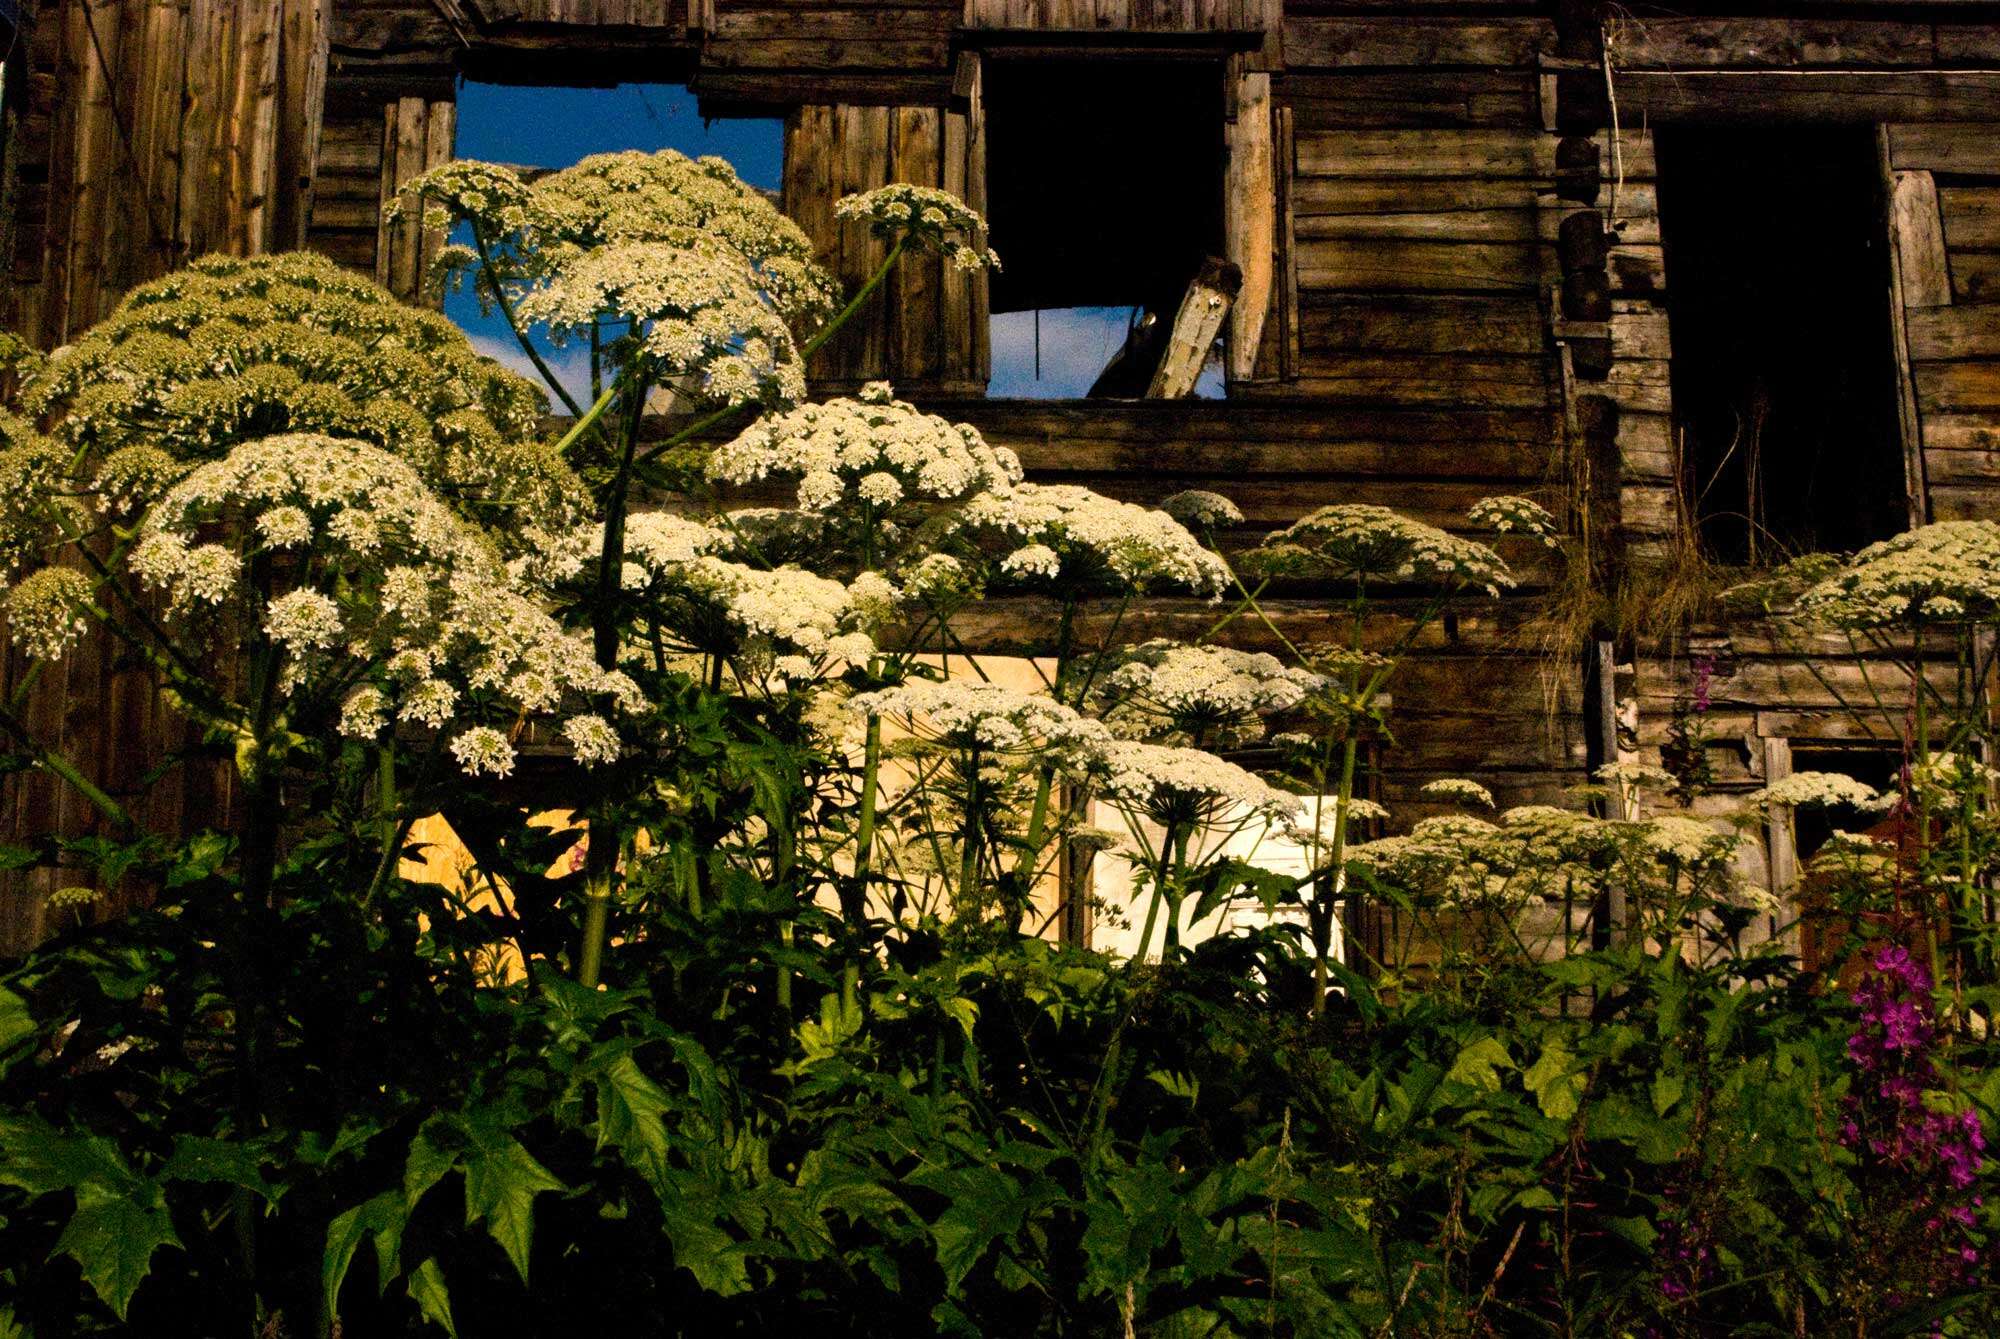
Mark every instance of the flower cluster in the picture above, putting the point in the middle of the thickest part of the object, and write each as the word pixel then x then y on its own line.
pixel 1363 542
pixel 1931 1152
pixel 1948 572
pixel 967 714
pixel 923 217
pixel 226 350
pixel 1459 791
pixel 703 315
pixel 47 611
pixel 1201 509
pixel 1508 515
pixel 874 448
pixel 1820 789
pixel 1203 694
pixel 1173 784
pixel 382 583
pixel 1094 538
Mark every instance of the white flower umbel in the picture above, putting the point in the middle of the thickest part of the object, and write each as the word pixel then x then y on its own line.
pixel 1363 542
pixel 1459 791
pixel 1509 515
pixel 926 218
pixel 592 739
pixel 1095 537
pixel 1202 509
pixel 1210 694
pixel 1688 841
pixel 47 612
pixel 968 714
pixel 704 316
pixel 836 448
pixel 483 751
pixel 1172 784
pixel 1819 789
pixel 392 588
pixel 1948 572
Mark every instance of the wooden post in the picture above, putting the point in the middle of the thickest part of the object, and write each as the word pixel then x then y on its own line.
pixel 1250 225
pixel 1781 841
pixel 1196 325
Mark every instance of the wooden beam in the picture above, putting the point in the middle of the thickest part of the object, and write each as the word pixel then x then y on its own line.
pixel 1913 223
pixel 1250 194
pixel 1195 328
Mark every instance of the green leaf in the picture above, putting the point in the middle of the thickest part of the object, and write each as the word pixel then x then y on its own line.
pixel 1183 1086
pixel 1667 1089
pixel 113 1235
pixel 217 1161
pixel 1478 1065
pixel 11 1328
pixel 1556 1081
pixel 383 1217
pixel 37 1159
pixel 501 1182
pixel 16 1023
pixel 630 1108
pixel 427 1290
pixel 427 1161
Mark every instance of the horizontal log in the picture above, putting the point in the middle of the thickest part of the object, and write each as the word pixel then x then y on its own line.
pixel 1645 432
pixel 1962 467
pixel 1238 421
pixel 1519 224
pixel 1640 384
pixel 1955 148
pixel 811 53
pixel 1968 43
pixel 1948 387
pixel 1975 276
pixel 1943 333
pixel 1961 502
pixel 1408 98
pixel 1675 43
pixel 1809 97
pixel 1422 324
pixel 1342 43
pixel 1961 432
pixel 1637 269
pixel 1374 265
pixel 1971 215
pixel 1427 379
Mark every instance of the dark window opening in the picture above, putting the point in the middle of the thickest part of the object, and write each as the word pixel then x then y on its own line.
pixel 540 128
pixel 1104 197
pixel 1783 369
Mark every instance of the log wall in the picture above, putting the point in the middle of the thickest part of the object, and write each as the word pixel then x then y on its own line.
pixel 1425 322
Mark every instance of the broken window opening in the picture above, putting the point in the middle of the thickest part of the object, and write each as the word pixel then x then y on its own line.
pixel 1104 200
pixel 1783 370
pixel 538 128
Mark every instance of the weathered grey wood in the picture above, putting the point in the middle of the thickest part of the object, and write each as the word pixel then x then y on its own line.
pixel 1917 230
pixel 1377 265
pixel 1660 42
pixel 1959 148
pixel 1417 42
pixel 1250 207
pixel 1196 326
pixel 1971 216
pixel 1975 276
pixel 1836 97
pixel 1404 323
pixel 1941 334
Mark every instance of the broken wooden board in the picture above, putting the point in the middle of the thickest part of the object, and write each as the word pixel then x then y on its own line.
pixel 1195 328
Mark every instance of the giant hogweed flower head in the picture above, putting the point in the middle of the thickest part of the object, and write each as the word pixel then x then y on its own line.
pixel 1166 690
pixel 1169 783
pixel 1093 538
pixel 49 611
pixel 874 448
pixel 1363 542
pixel 230 349
pixel 702 313
pixel 1947 572
pixel 381 582
pixel 925 218
pixel 967 714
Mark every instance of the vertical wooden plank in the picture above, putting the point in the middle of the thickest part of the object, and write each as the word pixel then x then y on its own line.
pixel 1250 224
pixel 385 233
pixel 405 263
pixel 302 67
pixel 1285 153
pixel 1917 230
pixel 808 194
pixel 1916 245
pixel 86 226
pixel 914 311
pixel 210 31
pixel 255 155
pixel 159 128
pixel 955 296
pixel 440 136
pixel 1781 840
pixel 979 318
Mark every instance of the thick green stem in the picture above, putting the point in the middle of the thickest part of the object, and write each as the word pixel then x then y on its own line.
pixel 596 925
pixel 864 826
pixel 506 307
pixel 832 328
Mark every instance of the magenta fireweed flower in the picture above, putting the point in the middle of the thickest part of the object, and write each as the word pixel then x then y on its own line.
pixel 1916 1160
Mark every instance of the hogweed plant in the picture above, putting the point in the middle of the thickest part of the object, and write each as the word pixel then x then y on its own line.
pixel 785 1041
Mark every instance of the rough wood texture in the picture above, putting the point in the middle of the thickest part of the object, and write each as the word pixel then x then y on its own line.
pixel 1917 229
pixel 1196 327
pixel 1250 223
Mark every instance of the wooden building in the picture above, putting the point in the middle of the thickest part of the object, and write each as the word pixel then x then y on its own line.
pixel 1595 252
